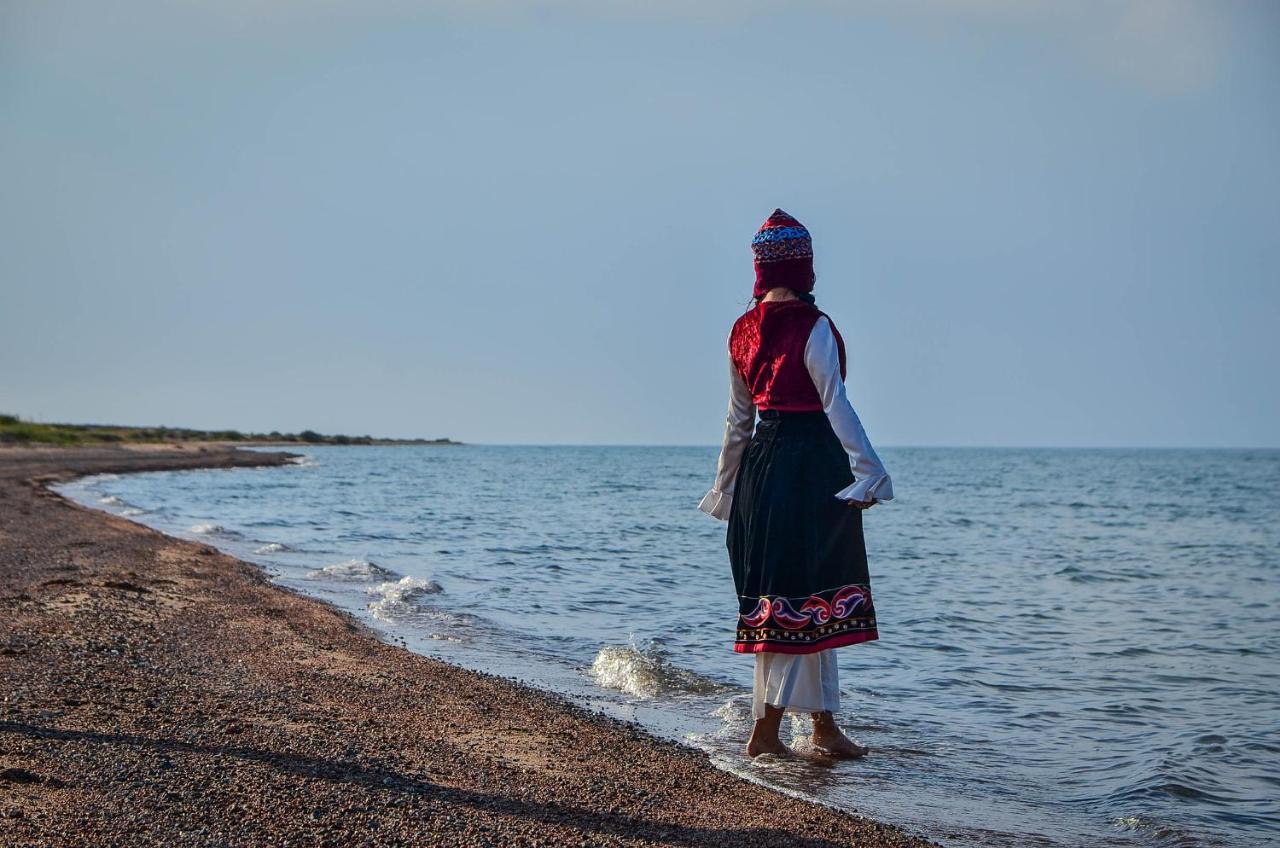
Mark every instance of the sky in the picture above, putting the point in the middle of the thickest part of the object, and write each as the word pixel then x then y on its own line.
pixel 1035 224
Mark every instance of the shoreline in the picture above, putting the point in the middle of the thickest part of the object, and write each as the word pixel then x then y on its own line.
pixel 154 690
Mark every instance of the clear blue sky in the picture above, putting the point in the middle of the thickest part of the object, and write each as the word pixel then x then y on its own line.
pixel 1035 223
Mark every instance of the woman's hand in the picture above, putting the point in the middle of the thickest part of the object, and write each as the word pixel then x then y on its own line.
pixel 861 504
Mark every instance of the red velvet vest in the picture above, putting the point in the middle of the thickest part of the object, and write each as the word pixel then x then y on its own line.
pixel 767 347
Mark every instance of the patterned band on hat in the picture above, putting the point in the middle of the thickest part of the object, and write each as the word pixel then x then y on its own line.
pixel 780 233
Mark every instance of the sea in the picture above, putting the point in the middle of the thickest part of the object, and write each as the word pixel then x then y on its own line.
pixel 1077 647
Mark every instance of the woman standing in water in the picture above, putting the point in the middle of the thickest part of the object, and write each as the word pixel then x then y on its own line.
pixel 793 493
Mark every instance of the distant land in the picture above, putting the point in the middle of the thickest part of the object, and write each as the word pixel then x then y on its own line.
pixel 14 430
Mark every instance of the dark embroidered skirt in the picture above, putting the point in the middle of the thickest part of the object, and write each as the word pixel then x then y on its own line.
pixel 797 553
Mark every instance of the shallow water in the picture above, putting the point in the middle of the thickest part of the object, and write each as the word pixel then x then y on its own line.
pixel 1078 647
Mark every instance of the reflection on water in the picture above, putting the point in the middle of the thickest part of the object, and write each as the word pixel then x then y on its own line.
pixel 1077 646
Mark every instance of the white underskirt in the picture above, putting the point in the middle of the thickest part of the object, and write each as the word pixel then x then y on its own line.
pixel 808 683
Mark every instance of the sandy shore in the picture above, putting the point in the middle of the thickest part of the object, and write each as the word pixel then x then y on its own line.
pixel 156 691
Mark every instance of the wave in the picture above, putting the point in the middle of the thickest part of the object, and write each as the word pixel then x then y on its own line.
pixel 352 569
pixel 394 598
pixel 210 529
pixel 272 548
pixel 123 507
pixel 1163 833
pixel 646 673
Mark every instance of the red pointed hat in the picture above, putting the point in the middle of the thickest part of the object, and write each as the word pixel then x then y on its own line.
pixel 784 255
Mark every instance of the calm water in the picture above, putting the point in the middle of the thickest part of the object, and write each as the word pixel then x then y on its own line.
pixel 1078 647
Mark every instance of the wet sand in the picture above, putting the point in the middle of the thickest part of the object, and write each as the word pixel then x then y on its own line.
pixel 155 691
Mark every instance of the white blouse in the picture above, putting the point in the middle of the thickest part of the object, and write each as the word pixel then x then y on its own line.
pixel 822 360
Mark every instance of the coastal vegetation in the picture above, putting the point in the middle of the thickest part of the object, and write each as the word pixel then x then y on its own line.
pixel 14 430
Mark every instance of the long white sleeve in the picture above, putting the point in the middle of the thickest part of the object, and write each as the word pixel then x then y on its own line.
pixel 822 359
pixel 738 425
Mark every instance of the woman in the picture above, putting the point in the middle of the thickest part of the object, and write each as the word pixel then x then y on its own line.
pixel 793 494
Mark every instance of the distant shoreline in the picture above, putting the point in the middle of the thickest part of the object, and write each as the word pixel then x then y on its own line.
pixel 14 430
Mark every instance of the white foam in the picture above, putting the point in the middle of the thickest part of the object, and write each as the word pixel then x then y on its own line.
pixel 801 726
pixel 111 500
pixel 646 672
pixel 132 510
pixel 211 529
pixel 352 569
pixel 272 548
pixel 736 710
pixel 394 598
